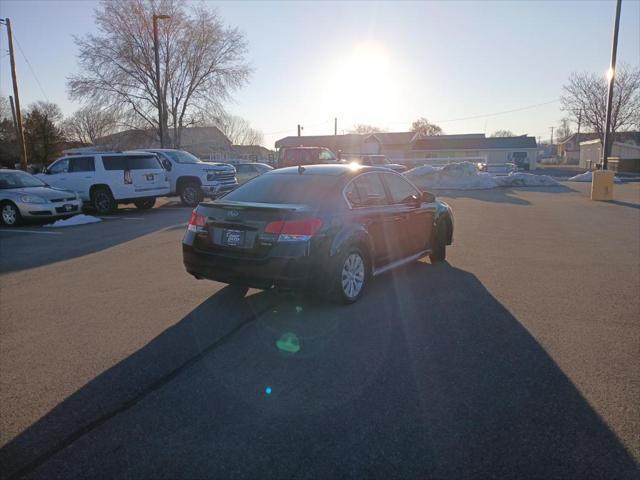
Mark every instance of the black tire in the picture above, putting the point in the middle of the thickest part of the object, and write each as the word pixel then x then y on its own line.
pixel 348 288
pixel 439 244
pixel 145 203
pixel 191 194
pixel 9 214
pixel 103 201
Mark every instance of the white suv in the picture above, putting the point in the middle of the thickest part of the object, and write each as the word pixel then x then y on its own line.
pixel 105 179
pixel 194 179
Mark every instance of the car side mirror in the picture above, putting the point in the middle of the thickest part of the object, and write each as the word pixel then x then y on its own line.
pixel 167 165
pixel 427 197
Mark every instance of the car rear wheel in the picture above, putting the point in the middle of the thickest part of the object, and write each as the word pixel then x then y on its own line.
pixel 145 204
pixel 9 214
pixel 351 275
pixel 103 201
pixel 439 248
pixel 191 194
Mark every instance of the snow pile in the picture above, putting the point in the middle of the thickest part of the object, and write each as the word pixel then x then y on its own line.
pixel 588 176
pixel 77 220
pixel 465 176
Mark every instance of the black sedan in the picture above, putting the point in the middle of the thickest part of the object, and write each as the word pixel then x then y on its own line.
pixel 322 227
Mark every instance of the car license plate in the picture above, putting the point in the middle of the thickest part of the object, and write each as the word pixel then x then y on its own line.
pixel 233 238
pixel 150 177
pixel 67 207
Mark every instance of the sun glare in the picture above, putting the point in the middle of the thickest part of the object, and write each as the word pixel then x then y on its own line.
pixel 361 85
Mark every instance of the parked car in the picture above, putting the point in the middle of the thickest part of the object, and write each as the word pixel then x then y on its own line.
pixel 373 161
pixel 192 179
pixel 247 171
pixel 105 179
pixel 293 156
pixel 24 196
pixel 323 227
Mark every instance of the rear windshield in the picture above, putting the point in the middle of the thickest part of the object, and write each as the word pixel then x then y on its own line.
pixel 279 188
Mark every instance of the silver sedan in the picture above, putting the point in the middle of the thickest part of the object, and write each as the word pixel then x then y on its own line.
pixel 24 196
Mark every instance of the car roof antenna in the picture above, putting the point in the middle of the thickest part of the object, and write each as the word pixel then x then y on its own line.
pixel 301 169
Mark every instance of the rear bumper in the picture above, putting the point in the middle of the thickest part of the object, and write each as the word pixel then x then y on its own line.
pixel 287 272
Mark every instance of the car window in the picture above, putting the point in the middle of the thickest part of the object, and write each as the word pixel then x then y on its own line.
pixel 181 156
pixel 370 191
pixel 19 180
pixel 146 162
pixel 61 166
pixel 81 164
pixel 401 191
pixel 243 168
pixel 326 155
pixel 114 162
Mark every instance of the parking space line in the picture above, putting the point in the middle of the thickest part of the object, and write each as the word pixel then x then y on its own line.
pixel 30 231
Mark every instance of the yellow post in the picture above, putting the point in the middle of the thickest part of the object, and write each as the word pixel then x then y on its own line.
pixel 602 185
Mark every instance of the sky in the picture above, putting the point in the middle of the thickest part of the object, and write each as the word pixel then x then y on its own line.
pixel 460 64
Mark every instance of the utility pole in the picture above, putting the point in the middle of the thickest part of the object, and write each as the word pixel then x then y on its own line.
pixel 606 150
pixel 578 134
pixel 18 113
pixel 335 126
pixel 13 114
pixel 158 89
pixel 551 135
pixel 299 129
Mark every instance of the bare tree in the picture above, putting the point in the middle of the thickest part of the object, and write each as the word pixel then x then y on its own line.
pixel 424 128
pixel 363 129
pixel 564 130
pixel 503 133
pixel 238 130
pixel 89 123
pixel 587 93
pixel 202 62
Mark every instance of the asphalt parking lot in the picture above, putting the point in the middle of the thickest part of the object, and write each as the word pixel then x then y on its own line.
pixel 516 358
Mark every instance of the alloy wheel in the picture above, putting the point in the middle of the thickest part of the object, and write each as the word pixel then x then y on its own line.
pixel 9 214
pixel 353 275
pixel 190 196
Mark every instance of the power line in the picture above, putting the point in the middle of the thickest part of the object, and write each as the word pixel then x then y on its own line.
pixel 473 117
pixel 31 68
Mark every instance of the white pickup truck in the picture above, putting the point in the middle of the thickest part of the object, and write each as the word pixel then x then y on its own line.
pixel 193 179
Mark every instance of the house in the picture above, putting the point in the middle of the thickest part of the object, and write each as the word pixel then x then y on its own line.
pixel 569 148
pixel 394 145
pixel 625 153
pixel 477 147
pixel 203 142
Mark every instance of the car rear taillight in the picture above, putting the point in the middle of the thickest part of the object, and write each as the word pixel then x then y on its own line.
pixel 294 230
pixel 197 222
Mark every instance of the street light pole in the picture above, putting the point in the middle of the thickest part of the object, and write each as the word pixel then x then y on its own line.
pixel 158 89
pixel 606 148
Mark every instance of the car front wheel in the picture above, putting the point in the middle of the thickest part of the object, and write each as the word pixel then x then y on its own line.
pixel 9 214
pixel 439 244
pixel 351 275
pixel 191 194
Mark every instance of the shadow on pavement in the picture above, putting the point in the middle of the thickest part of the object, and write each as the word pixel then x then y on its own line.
pixel 625 204
pixel 20 250
pixel 428 376
pixel 501 194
